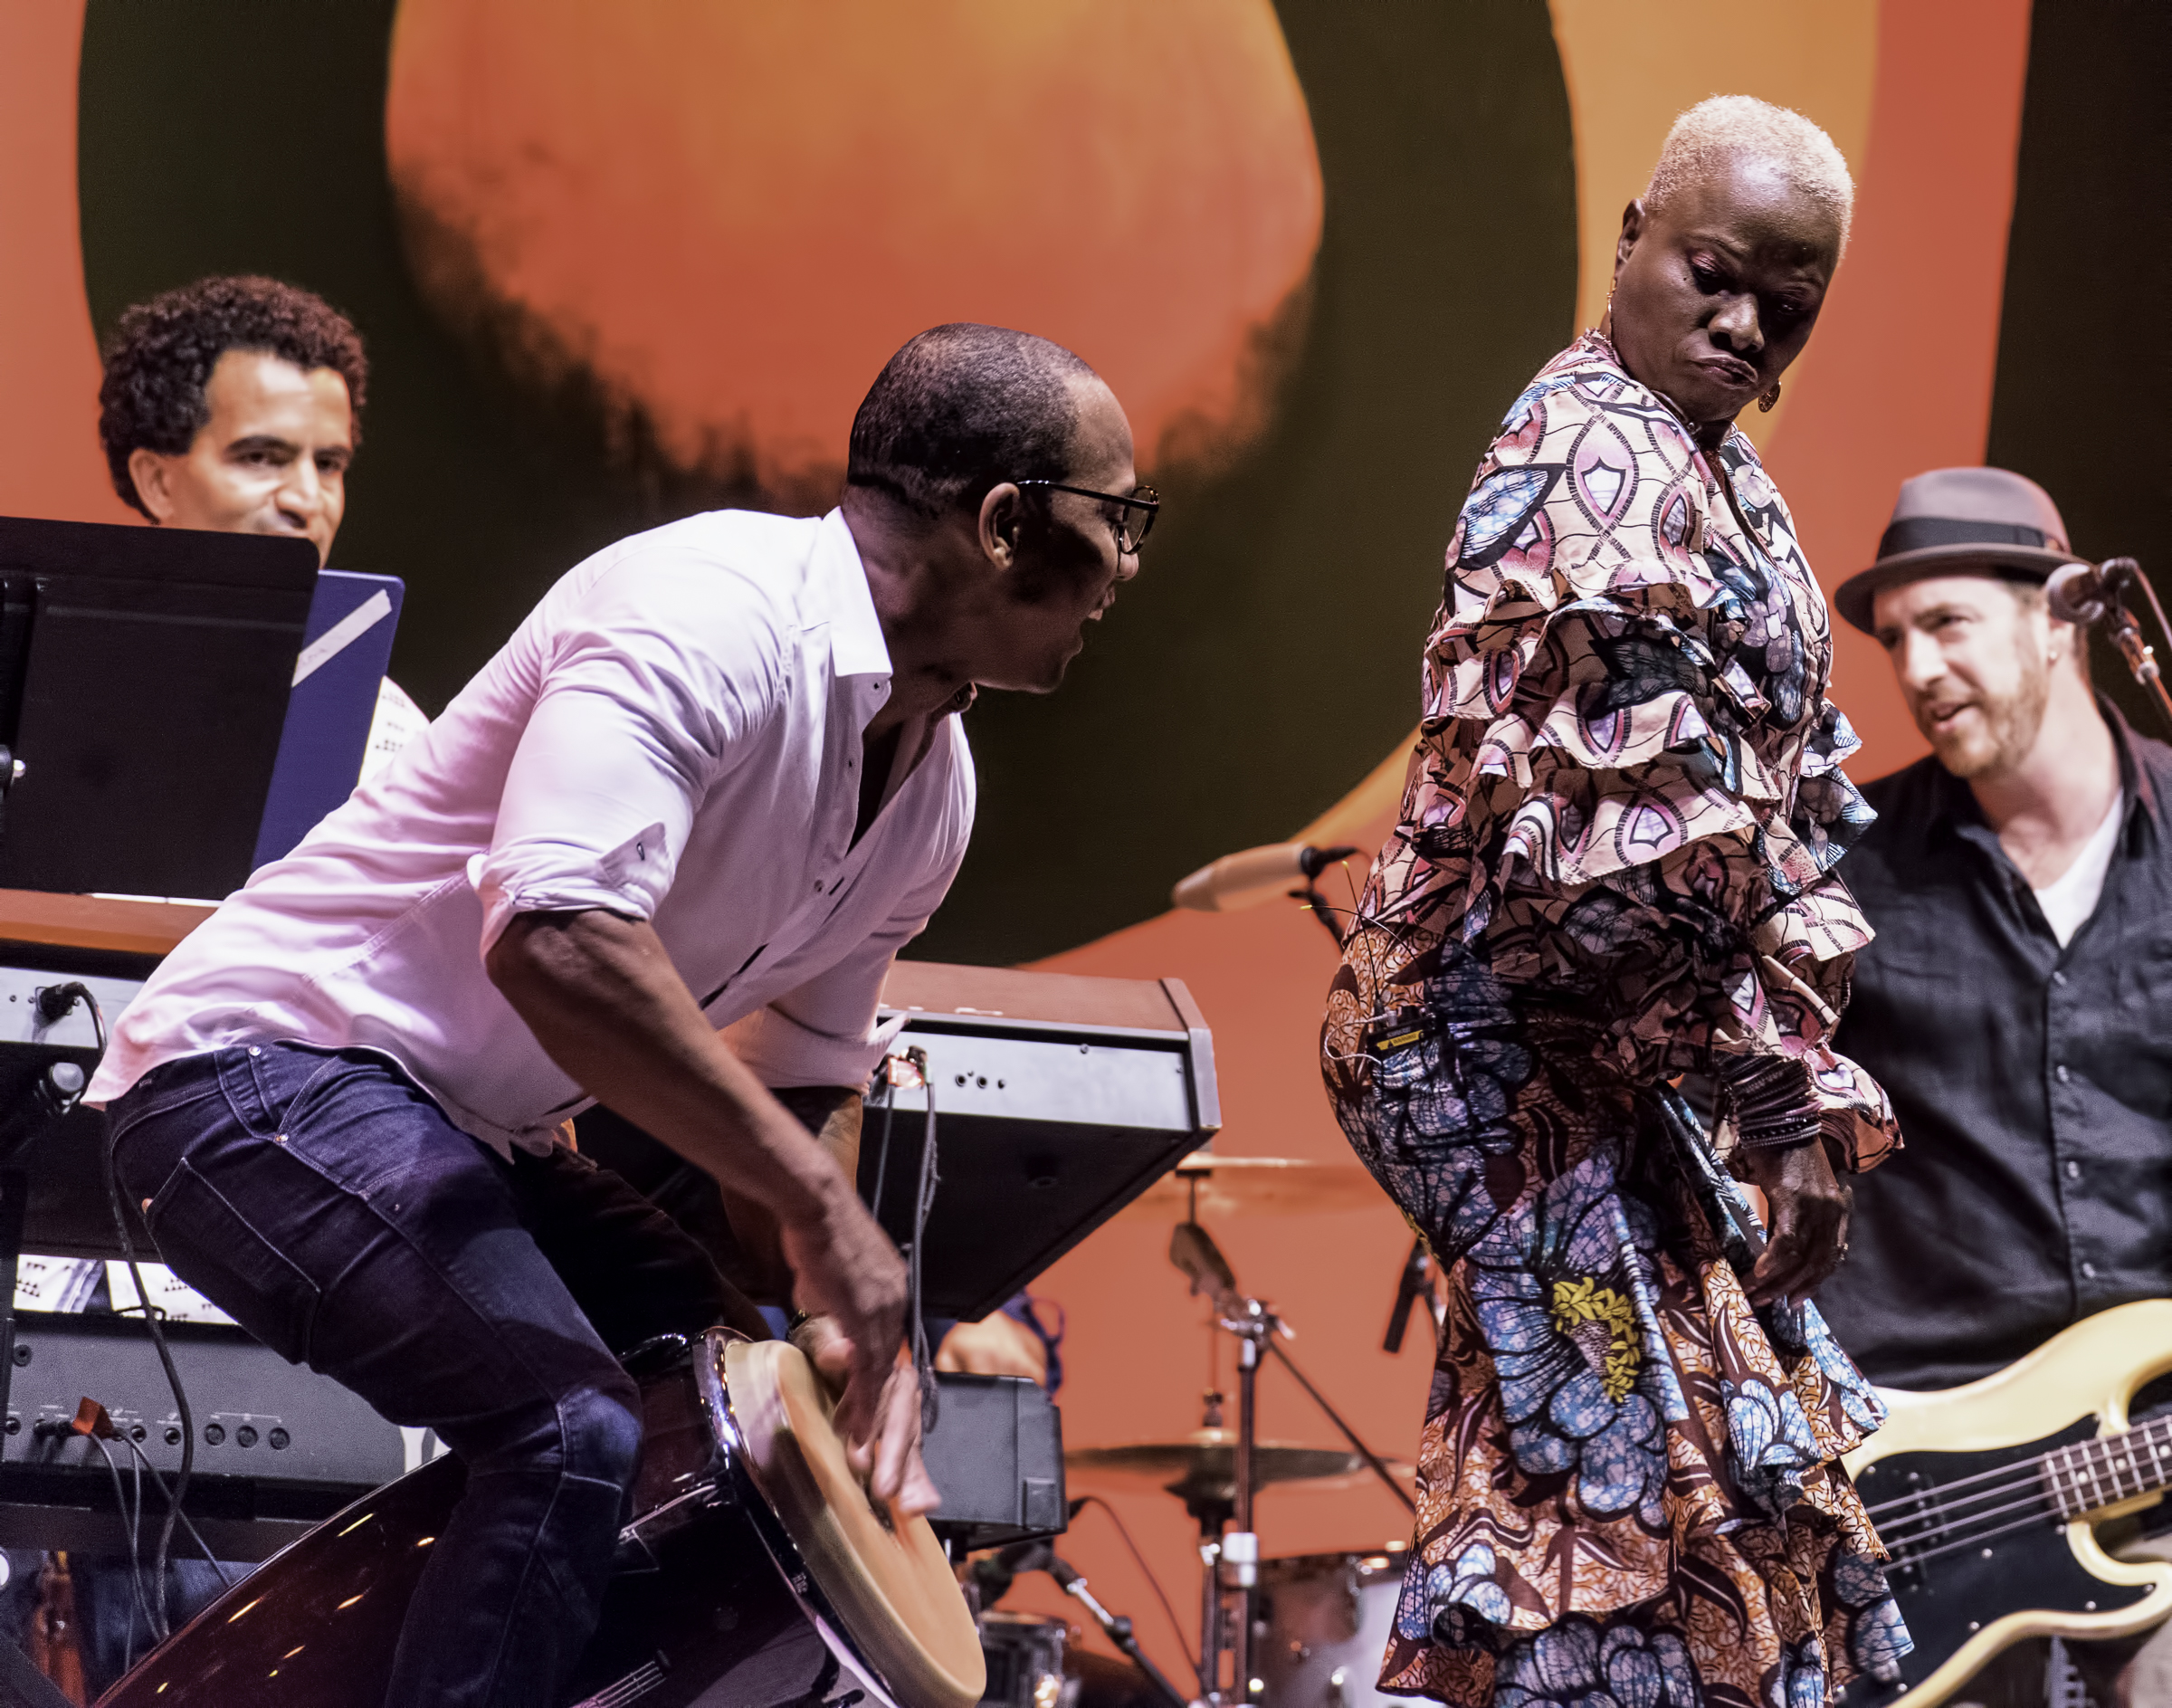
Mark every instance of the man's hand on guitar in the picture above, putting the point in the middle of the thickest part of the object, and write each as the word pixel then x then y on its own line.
pixel 1808 1234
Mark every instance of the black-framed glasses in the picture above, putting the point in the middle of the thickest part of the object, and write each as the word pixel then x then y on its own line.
pixel 1141 507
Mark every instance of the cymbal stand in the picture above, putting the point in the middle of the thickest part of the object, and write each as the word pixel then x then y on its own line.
pixel 1237 1560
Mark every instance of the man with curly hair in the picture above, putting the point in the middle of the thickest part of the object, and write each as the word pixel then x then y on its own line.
pixel 236 405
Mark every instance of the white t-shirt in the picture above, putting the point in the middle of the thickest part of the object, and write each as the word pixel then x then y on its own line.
pixel 2072 897
pixel 674 735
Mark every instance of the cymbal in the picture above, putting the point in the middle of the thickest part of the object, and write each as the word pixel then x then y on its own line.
pixel 1204 1463
pixel 1255 1186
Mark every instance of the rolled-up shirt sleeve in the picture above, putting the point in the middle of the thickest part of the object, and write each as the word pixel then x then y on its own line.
pixel 670 665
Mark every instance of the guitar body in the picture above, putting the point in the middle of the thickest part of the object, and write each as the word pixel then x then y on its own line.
pixel 1983 1557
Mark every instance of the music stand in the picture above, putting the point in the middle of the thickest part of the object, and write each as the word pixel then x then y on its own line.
pixel 144 674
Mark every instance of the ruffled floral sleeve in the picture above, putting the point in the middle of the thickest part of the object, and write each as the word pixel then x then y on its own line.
pixel 1629 788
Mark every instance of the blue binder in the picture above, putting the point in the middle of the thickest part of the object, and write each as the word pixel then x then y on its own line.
pixel 346 647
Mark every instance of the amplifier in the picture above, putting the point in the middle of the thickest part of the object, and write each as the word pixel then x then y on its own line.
pixel 996 1456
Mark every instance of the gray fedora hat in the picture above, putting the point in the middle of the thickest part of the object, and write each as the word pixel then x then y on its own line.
pixel 1961 521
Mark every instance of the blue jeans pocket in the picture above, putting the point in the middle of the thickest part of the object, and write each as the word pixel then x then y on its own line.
pixel 212 1246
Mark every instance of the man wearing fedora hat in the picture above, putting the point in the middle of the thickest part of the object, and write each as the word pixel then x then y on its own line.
pixel 2015 1003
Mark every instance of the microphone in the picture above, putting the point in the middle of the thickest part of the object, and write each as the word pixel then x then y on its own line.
pixel 2080 592
pixel 1254 875
pixel 1417 1276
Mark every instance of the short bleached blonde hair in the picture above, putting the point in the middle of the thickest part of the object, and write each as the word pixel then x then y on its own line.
pixel 1724 127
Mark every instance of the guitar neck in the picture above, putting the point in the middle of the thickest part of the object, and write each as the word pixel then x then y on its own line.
pixel 2090 1475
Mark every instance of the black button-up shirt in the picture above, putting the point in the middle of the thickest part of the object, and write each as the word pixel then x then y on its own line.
pixel 2034 1084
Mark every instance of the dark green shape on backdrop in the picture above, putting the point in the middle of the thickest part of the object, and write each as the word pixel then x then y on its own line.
pixel 1264 660
pixel 2085 351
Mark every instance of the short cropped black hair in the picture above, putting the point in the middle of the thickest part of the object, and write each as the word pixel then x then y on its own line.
pixel 960 409
pixel 161 356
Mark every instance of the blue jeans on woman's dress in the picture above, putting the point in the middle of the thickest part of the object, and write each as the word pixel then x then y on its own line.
pixel 324 1201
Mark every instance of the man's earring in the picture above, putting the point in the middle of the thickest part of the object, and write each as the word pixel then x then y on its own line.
pixel 1771 399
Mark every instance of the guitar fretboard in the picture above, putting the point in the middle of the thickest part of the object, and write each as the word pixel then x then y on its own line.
pixel 2091 1475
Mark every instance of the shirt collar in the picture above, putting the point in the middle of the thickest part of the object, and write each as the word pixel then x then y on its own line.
pixel 2142 797
pixel 1957 801
pixel 856 644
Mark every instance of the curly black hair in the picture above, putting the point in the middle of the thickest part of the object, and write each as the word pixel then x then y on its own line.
pixel 961 408
pixel 161 356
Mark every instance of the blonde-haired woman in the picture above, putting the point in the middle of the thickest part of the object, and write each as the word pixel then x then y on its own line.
pixel 1614 865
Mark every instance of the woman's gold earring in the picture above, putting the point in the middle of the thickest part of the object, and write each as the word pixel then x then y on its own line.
pixel 1769 400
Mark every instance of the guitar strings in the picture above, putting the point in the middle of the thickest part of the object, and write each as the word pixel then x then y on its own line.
pixel 1935 1529
pixel 1966 1541
pixel 2017 1476
pixel 1928 1516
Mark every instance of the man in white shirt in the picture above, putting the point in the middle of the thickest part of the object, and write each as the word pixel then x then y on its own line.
pixel 234 405
pixel 711 786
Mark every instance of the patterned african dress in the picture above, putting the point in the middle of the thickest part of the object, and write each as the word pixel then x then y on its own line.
pixel 1614 865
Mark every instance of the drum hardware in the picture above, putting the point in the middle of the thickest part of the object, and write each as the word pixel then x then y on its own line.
pixel 993 1576
pixel 1202 1466
pixel 1325 1622
pixel 1229 1557
pixel 1024 1659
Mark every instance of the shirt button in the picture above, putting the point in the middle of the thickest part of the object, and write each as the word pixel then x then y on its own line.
pixel 2061 1073
pixel 2059 979
pixel 2089 1272
pixel 2074 1170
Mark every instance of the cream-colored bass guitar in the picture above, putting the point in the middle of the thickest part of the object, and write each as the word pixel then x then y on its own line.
pixel 1989 1497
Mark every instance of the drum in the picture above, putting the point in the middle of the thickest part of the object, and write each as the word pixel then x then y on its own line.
pixel 755 1573
pixel 1326 1619
pixel 1024 1657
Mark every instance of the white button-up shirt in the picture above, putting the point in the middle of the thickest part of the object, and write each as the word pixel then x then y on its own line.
pixel 673 735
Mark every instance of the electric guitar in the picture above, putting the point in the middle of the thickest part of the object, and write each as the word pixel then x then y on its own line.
pixel 1989 1495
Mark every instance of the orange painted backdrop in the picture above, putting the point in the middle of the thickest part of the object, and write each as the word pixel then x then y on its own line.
pixel 1924 96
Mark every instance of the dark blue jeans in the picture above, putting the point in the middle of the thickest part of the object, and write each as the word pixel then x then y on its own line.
pixel 324 1201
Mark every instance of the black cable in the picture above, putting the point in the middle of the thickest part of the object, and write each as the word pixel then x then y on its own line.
pixel 188 1523
pixel 72 992
pixel 923 1362
pixel 1184 1645
pixel 131 1524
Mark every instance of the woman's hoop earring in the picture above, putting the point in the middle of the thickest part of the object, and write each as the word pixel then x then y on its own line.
pixel 1767 403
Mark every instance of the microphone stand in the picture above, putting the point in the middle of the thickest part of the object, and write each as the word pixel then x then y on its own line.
pixel 994 1577
pixel 2126 634
pixel 1117 1629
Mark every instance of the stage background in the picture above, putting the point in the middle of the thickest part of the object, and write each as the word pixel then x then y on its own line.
pixel 618 264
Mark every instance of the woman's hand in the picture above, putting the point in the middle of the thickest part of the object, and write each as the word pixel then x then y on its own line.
pixel 1807 1236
